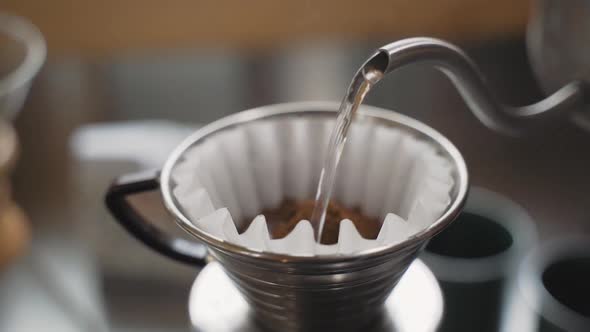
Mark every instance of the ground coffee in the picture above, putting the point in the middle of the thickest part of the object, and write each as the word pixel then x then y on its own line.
pixel 282 219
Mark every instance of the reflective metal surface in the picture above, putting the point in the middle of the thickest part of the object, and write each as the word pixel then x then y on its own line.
pixel 468 80
pixel 290 293
pixel 415 305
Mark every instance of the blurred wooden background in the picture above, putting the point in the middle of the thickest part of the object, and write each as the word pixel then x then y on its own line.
pixel 112 27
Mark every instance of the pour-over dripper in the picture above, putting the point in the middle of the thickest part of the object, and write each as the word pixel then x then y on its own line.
pixel 401 182
pixel 286 292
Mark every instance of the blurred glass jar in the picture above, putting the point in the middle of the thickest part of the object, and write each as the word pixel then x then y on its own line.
pixel 22 53
pixel 558 48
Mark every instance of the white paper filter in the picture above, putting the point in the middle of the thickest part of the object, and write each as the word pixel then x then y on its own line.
pixel 385 171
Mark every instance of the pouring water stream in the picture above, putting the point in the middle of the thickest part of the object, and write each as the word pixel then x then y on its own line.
pixel 366 77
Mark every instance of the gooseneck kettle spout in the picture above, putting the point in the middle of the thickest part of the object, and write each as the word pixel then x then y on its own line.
pixel 470 83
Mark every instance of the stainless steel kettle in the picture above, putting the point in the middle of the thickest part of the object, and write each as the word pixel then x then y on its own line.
pixel 558 41
pixel 560 56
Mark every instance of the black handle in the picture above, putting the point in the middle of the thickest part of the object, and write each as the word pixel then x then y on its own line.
pixel 116 200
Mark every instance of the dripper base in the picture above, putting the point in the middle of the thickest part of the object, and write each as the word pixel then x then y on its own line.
pixel 415 304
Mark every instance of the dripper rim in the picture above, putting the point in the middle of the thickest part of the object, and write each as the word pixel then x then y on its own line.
pixel 459 192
